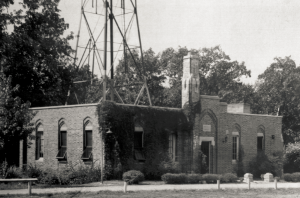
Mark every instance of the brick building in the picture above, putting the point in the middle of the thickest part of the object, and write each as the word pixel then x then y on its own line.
pixel 227 134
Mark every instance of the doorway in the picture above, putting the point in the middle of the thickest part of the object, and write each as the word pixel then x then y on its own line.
pixel 205 157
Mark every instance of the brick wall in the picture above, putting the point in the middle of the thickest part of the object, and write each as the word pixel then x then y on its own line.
pixel 74 117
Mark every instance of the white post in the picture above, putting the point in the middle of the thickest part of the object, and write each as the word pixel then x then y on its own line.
pixel 249 182
pixel 218 182
pixel 29 188
pixel 275 183
pixel 125 187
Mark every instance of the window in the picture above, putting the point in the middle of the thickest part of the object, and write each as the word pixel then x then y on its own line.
pixel 62 146
pixel 39 142
pixel 172 146
pixel 87 142
pixel 235 146
pixel 138 143
pixel 260 140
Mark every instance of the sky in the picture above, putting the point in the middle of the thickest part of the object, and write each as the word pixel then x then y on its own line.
pixel 250 31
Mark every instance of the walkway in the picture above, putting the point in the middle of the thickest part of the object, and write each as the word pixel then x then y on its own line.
pixel 254 185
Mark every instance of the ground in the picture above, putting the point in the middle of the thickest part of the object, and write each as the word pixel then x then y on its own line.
pixel 264 193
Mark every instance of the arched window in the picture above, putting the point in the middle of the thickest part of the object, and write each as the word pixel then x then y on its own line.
pixel 62 142
pixel 235 143
pixel 172 146
pixel 87 141
pixel 39 142
pixel 138 143
pixel 260 139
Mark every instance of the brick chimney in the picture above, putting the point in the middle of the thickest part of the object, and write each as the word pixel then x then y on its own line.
pixel 190 80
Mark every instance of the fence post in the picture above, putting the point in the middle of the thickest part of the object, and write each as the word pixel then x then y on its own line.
pixel 218 182
pixel 29 188
pixel 275 183
pixel 125 186
pixel 249 184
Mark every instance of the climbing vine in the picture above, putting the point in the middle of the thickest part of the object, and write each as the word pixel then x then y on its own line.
pixel 158 123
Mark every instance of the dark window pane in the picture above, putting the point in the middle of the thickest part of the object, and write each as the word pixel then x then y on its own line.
pixel 87 153
pixel 89 138
pixel 62 153
pixel 138 139
pixel 138 154
pixel 63 138
pixel 259 143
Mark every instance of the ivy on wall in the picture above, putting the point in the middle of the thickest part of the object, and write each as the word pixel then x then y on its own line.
pixel 158 124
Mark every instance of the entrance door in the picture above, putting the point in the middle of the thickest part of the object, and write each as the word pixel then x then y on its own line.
pixel 205 157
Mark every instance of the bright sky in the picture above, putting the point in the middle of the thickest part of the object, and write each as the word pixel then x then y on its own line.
pixel 253 31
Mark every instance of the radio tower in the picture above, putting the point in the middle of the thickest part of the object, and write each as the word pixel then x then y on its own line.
pixel 98 20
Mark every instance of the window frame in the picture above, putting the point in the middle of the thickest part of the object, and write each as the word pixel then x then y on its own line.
pixel 260 135
pixel 62 129
pixel 39 142
pixel 172 147
pixel 235 147
pixel 88 128
pixel 138 151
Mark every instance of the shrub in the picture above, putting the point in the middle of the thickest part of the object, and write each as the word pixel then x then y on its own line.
pixel 170 178
pixel 211 178
pixel 292 157
pixel 261 165
pixel 296 177
pixel 193 178
pixel 10 172
pixel 133 177
pixel 229 178
pixel 288 177
pixel 33 172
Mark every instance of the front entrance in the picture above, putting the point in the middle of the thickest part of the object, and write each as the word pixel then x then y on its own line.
pixel 205 157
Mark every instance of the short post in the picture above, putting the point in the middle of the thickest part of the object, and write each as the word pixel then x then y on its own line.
pixel 218 182
pixel 275 183
pixel 249 185
pixel 125 186
pixel 29 188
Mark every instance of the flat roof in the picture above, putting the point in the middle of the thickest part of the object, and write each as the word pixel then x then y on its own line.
pixel 95 104
pixel 249 114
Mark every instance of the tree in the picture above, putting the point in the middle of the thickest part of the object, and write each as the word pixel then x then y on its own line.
pixel 15 120
pixel 35 54
pixel 279 87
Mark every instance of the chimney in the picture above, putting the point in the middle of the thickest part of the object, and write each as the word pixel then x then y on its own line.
pixel 190 80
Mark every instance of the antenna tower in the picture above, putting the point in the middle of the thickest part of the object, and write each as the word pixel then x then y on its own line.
pixel 104 26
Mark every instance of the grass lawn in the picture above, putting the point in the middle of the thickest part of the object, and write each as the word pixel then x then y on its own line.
pixel 271 193
pixel 24 185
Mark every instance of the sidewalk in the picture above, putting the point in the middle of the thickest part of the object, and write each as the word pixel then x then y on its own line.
pixel 254 185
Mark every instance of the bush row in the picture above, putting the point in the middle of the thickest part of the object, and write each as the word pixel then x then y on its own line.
pixel 169 178
pixel 70 174
pixel 292 177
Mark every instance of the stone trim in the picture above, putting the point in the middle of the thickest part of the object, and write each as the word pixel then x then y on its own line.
pixel 63 106
pixel 210 97
pixel 260 135
pixel 235 133
pixel 209 139
pixel 255 115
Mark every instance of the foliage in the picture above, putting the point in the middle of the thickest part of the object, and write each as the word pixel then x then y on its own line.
pixel 279 87
pixel 229 178
pixel 9 172
pixel 15 118
pixel 33 171
pixel 170 178
pixel 133 177
pixel 211 178
pixel 292 177
pixel 261 164
pixel 121 119
pixel 292 157
pixel 35 53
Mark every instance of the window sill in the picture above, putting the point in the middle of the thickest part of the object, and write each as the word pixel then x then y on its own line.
pixel 41 159
pixel 234 162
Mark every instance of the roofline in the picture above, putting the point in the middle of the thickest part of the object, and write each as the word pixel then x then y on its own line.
pixel 210 97
pixel 144 106
pixel 248 114
pixel 64 106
